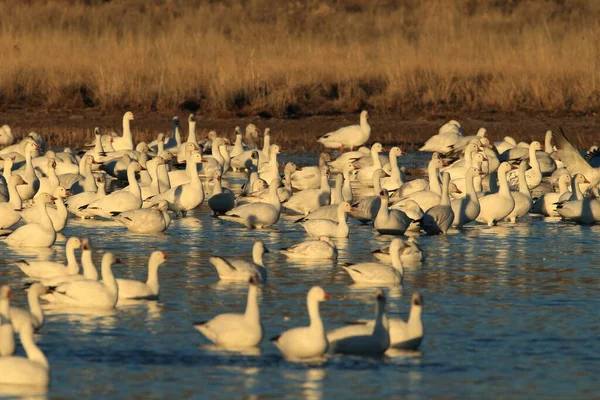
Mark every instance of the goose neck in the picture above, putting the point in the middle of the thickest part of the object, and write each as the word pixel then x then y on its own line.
pixel 72 264
pixel 252 310
pixel 152 280
pixel 31 349
pixel 34 306
pixel 89 269
pixel 14 197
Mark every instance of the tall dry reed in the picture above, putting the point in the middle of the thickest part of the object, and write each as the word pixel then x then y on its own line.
pixel 301 57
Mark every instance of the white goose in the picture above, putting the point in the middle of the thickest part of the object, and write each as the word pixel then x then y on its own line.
pixel 438 219
pixel 50 182
pixel 9 212
pixel 322 248
pixel 495 207
pixel 90 293
pixel 257 215
pixel 236 331
pixel 32 185
pixel 410 252
pixel 220 200
pixel 545 204
pixel 182 153
pixel 380 274
pixel 75 202
pixel 372 339
pixel 405 335
pixel 327 227
pixel 185 197
pixel 365 174
pixel 310 177
pixel 50 269
pixel 136 290
pixel 367 207
pixel 30 371
pixel 575 194
pixel 124 142
pixel 6 136
pixel 120 200
pixel 573 160
pixel 522 198
pixel 532 175
pixel 309 342
pixel 350 136
pixel 35 235
pixel 269 171
pixel 395 181
pixel 7 334
pixel 429 197
pixel 310 199
pixel 179 177
pixel 35 316
pixel 466 209
pixel 145 220
pixel 422 184
pixel 237 269
pixel 58 215
pixel 448 134
pixel 84 181
pixel 89 270
pixel 390 222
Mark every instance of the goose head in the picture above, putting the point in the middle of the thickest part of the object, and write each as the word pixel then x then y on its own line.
pixel 267 132
pixel 16 180
pixel 274 149
pixel 504 168
pixel 417 300
pixel 580 178
pixel 564 178
pixel 61 192
pixel 44 198
pixel 316 293
pixel 38 289
pixel 73 242
pixel 135 166
pixel 196 157
pixel 380 296
pixel 163 205
pixel 175 122
pixel 535 145
pixel 377 148
pixel 128 116
pixel 383 195
pixel 350 167
pixel 250 130
pixel 86 244
pixel 482 132
pixel 396 151
pixel 345 207
pixel 290 168
pixel 364 114
pixel 157 258
pixel 192 118
pixel 379 173
pixel 52 163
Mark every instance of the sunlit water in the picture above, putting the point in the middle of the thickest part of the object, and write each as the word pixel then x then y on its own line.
pixel 510 311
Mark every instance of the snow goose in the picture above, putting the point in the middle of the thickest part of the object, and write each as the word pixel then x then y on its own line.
pixel 257 215
pixel 236 331
pixel 505 144
pixel 90 293
pixel 347 194
pixel 310 342
pixel 327 227
pixel 410 252
pixel 187 196
pixel 586 211
pixel 9 212
pixel 367 207
pixel 120 200
pixel 6 136
pixel 49 183
pixel 179 177
pixel 350 136
pixel 30 371
pixel 269 171
pixel 220 200
pixel 495 207
pixel 395 180
pixel 575 194
pixel 237 148
pixel 322 248
pixel 89 270
pixel 237 269
pixel 84 181
pixel 50 269
pixel 28 190
pixel 466 209
pixel 41 234
pixel 35 316
pixel 532 175
pixel 310 199
pixel 310 177
pixel 522 197
pixel 390 222
pixel 136 290
pixel 75 202
pixel 58 215
pixel 371 340
pixel 546 203
pixel 463 141
pixel 284 193
pixel 412 211
pixel 242 160
pixel 124 142
pixel 365 173
pixel 573 160
pixel 448 134
pixel 173 143
pixel 217 162
pixel 7 334
pixel 430 196
pixel 181 154
pixel 405 335
pixel 380 274
pixel 145 220
pixel 438 219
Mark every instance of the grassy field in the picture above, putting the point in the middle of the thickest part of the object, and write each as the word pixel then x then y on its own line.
pixel 298 58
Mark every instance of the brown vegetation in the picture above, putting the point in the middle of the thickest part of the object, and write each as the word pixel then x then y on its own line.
pixel 290 58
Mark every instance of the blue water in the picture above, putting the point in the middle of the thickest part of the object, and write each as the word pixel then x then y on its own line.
pixel 509 311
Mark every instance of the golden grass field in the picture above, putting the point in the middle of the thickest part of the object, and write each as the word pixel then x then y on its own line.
pixel 403 58
pixel 301 57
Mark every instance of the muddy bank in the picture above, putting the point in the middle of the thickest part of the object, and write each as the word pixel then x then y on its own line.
pixel 73 128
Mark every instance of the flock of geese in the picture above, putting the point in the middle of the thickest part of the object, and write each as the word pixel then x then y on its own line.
pixel 470 180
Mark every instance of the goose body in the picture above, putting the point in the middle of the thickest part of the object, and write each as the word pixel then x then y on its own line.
pixel 9 212
pixel 30 371
pixel 236 269
pixel 58 215
pixel 146 220
pixel 522 198
pixel 375 273
pixel 438 219
pixel 257 215
pixel 149 290
pixel 310 199
pixel 49 269
pixel 410 252
pixel 497 206
pixel 308 342
pixel 35 235
pixel 349 136
pixel 390 222
pixel 371 340
pixel 327 227
pixel 466 209
pixel 310 177
pixel 236 331
pixel 322 248
pixel 124 142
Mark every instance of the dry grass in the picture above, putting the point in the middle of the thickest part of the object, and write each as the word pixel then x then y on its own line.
pixel 301 57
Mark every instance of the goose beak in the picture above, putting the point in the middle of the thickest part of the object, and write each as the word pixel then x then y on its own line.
pixel 165 255
pixel 585 180
pixel 328 297
pixel 68 192
pixel 402 153
pixel 485 159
